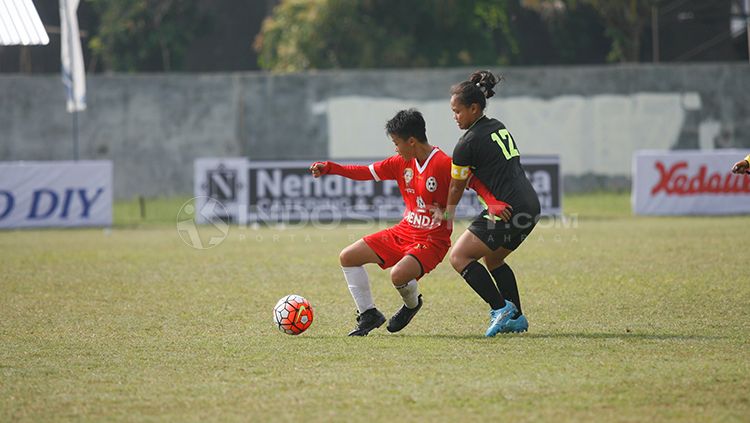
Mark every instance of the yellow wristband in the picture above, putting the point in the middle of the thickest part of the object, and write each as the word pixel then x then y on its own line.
pixel 747 159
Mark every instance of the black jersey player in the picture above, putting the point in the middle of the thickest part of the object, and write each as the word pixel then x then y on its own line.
pixel 488 151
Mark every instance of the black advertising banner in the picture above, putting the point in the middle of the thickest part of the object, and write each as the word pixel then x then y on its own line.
pixel 284 191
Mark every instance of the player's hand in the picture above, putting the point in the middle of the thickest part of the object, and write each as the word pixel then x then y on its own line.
pixel 500 209
pixel 437 213
pixel 438 216
pixel 320 168
pixel 741 167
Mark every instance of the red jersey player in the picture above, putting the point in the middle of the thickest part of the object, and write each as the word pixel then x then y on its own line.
pixel 418 243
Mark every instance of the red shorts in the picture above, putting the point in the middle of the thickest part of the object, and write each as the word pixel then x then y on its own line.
pixel 391 246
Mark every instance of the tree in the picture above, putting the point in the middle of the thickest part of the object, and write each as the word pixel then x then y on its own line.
pixel 625 21
pixel 144 35
pixel 577 33
pixel 318 34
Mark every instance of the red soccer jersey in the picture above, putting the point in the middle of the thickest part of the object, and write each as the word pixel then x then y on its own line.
pixel 423 189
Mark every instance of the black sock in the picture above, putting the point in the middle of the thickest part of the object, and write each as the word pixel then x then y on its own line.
pixel 480 281
pixel 506 283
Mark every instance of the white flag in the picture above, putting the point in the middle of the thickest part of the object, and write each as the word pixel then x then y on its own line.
pixel 73 73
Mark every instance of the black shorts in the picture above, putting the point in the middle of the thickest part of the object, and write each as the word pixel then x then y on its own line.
pixel 496 234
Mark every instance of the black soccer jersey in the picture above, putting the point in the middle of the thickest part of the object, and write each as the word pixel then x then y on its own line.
pixel 492 154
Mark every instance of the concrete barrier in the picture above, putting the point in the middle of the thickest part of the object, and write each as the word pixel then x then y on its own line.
pixel 152 126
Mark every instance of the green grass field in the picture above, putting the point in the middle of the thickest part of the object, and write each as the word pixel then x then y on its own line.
pixel 632 319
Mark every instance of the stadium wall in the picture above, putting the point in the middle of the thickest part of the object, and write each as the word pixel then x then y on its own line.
pixel 154 125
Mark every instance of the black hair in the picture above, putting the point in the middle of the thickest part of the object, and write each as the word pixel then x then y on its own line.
pixel 407 123
pixel 477 89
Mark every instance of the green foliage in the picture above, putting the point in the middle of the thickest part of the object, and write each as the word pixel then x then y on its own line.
pixel 144 35
pixel 624 20
pixel 577 34
pixel 322 34
pixel 319 34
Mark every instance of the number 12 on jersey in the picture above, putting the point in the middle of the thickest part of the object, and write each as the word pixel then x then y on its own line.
pixel 501 137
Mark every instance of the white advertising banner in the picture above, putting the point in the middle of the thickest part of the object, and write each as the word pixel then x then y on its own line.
pixel 689 183
pixel 52 194
pixel 224 179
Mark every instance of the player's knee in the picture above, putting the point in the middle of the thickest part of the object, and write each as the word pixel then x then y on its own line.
pixel 493 263
pixel 458 261
pixel 347 258
pixel 399 276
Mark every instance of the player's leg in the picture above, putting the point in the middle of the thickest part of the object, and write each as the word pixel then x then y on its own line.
pixel 503 275
pixel 358 254
pixel 352 259
pixel 404 277
pixel 463 257
pixel 468 249
pixel 420 258
pixel 506 283
pixel 515 234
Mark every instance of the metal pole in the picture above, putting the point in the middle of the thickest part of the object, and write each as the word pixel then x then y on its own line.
pixel 747 27
pixel 655 33
pixel 75 135
pixel 72 82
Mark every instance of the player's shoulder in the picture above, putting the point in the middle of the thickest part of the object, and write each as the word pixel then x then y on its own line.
pixel 395 160
pixel 467 137
pixel 486 128
pixel 441 158
pixel 441 163
pixel 441 155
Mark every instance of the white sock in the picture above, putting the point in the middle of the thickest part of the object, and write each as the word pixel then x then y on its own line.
pixel 410 293
pixel 359 286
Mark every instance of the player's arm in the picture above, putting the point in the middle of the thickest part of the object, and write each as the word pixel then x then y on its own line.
pixel 494 206
pixel 742 166
pixel 356 172
pixel 459 180
pixel 460 172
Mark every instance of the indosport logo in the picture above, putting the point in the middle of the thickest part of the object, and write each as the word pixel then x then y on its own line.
pixel 202 237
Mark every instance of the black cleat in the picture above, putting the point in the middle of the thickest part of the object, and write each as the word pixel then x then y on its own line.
pixel 367 321
pixel 403 316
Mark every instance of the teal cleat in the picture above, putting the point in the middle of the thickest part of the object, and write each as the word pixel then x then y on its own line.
pixel 517 325
pixel 499 318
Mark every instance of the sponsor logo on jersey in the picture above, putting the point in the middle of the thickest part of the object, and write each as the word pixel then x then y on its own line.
pixel 421 221
pixel 677 181
pixel 408 175
pixel 420 203
pixel 431 184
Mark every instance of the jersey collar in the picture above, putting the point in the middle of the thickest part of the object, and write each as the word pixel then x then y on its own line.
pixel 421 169
pixel 475 122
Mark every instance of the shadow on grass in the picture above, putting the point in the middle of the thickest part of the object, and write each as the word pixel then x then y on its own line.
pixel 571 335
pixel 623 336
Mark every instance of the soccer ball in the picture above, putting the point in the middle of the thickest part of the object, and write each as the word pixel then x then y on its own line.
pixel 293 314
